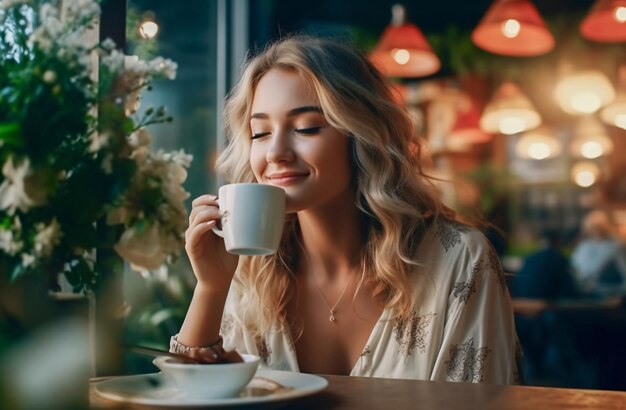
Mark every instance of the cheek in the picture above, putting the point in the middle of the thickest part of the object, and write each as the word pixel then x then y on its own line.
pixel 257 161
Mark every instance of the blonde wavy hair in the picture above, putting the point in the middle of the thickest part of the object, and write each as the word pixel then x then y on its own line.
pixel 393 193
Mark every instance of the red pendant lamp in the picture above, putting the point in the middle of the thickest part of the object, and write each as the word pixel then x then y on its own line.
pixel 513 28
pixel 466 129
pixel 402 50
pixel 606 22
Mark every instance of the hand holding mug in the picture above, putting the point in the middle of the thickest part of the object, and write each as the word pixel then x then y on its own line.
pixel 252 217
pixel 212 265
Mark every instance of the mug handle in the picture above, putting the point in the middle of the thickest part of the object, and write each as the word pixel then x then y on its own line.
pixel 217 230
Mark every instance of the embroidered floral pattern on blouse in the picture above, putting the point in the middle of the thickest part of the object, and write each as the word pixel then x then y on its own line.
pixel 466 362
pixel 494 265
pixel 449 234
pixel 366 351
pixel 263 349
pixel 411 333
pixel 228 325
pixel 463 290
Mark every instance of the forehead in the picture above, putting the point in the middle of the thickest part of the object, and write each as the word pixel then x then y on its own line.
pixel 281 90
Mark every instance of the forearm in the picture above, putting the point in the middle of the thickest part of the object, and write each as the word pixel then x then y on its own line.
pixel 202 324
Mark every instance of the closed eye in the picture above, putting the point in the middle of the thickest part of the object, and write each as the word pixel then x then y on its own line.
pixel 308 131
pixel 260 134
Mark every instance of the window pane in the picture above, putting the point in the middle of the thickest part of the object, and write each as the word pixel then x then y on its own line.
pixel 186 33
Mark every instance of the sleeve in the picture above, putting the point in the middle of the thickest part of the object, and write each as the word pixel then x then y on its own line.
pixel 479 343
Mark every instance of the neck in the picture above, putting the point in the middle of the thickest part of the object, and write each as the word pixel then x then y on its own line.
pixel 333 240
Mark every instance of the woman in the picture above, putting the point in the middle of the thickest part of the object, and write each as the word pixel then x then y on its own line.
pixel 373 276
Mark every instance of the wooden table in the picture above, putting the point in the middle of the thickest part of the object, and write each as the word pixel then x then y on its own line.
pixel 359 393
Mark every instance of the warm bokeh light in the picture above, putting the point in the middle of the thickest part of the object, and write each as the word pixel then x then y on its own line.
pixel 401 56
pixel 585 174
pixel 620 121
pixel 591 139
pixel 591 149
pixel 511 28
pixel 584 92
pixel 148 29
pixel 509 112
pixel 539 150
pixel 511 125
pixel 605 22
pixel 538 144
pixel 586 102
pixel 403 50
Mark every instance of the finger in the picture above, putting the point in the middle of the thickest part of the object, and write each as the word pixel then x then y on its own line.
pixel 205 215
pixel 194 235
pixel 207 199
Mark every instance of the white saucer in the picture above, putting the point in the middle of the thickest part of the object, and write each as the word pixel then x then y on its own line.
pixel 155 389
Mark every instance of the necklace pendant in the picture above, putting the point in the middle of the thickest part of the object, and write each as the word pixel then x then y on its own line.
pixel 332 316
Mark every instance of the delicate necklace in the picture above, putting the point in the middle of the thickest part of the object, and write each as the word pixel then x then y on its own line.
pixel 332 309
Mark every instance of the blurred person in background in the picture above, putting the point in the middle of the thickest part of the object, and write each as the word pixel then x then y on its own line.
pixel 546 273
pixel 599 259
pixel 545 277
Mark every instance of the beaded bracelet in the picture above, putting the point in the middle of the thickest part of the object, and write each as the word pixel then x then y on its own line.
pixel 215 350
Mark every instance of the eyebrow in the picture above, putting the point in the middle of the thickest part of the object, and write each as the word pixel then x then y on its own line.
pixel 291 113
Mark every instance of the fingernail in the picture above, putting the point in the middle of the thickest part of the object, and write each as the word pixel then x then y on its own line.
pixel 211 223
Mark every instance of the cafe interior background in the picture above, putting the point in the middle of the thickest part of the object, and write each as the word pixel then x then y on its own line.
pixel 529 136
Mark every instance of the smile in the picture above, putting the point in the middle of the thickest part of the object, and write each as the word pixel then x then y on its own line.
pixel 287 178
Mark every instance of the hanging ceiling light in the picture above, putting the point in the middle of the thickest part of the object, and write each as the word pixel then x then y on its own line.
pixel 585 173
pixel 538 144
pixel 402 50
pixel 509 112
pixel 513 28
pixel 466 130
pixel 591 140
pixel 615 113
pixel 606 22
pixel 584 92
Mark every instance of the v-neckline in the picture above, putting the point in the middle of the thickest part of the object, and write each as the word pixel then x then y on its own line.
pixel 375 329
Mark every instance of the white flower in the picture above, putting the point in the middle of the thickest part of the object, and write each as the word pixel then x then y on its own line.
pixel 142 248
pixel 28 260
pixel 114 61
pixel 165 67
pixel 108 44
pixel 140 138
pixel 47 238
pixel 21 189
pixel 135 66
pixel 9 243
pixel 180 157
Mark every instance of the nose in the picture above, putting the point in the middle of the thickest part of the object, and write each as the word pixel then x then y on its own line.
pixel 280 148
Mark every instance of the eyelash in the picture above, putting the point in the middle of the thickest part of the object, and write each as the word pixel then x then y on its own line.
pixel 259 135
pixel 304 131
pixel 308 131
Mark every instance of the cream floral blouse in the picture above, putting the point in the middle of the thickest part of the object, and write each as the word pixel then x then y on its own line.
pixel 461 328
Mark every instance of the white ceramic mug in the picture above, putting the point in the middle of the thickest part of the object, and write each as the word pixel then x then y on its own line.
pixel 252 218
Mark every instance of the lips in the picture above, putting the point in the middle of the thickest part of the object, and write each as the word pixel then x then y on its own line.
pixel 286 178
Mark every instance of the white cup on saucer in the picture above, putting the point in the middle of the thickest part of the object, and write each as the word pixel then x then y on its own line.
pixel 252 217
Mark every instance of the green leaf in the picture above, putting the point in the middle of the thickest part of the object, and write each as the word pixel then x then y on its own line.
pixel 11 134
